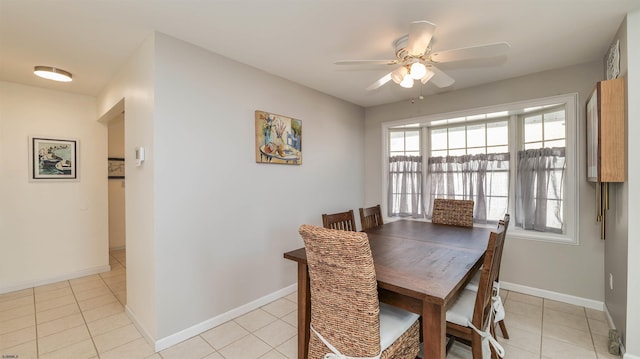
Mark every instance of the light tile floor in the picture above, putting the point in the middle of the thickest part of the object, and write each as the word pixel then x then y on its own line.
pixel 84 318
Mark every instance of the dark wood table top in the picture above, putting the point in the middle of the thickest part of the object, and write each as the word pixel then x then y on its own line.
pixel 426 261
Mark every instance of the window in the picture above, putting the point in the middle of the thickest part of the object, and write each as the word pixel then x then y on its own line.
pixel 404 193
pixel 478 153
pixel 471 161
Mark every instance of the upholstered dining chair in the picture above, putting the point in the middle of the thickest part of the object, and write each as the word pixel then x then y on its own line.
pixel 370 217
pixel 346 316
pixel 475 281
pixel 452 212
pixel 344 221
pixel 470 317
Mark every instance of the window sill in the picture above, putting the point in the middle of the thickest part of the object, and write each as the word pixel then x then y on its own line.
pixel 513 233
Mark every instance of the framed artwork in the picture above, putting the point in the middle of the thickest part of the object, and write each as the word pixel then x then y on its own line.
pixel 53 159
pixel 278 139
pixel 116 167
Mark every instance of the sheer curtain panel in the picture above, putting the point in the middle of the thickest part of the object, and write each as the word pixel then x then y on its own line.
pixel 405 187
pixel 483 178
pixel 539 189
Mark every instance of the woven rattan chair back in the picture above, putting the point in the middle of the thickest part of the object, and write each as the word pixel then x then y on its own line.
pixel 453 212
pixel 370 217
pixel 343 221
pixel 344 298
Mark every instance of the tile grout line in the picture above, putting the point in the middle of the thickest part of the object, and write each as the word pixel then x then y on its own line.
pixel 84 319
pixel 35 319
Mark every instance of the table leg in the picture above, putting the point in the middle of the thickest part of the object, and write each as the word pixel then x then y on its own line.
pixel 304 311
pixel 434 330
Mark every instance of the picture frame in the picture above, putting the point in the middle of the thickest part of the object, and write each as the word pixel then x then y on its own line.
pixel 53 159
pixel 115 168
pixel 278 139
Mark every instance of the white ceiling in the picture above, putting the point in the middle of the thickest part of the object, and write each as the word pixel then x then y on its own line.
pixel 301 39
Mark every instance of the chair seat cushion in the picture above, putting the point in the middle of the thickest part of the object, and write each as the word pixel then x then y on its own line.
pixel 461 312
pixel 393 323
pixel 474 282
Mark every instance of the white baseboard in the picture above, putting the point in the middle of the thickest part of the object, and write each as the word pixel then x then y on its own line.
pixel 139 326
pixel 560 297
pixel 59 278
pixel 202 327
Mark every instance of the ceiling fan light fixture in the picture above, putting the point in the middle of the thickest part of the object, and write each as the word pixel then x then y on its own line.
pixel 407 82
pixel 418 70
pixel 399 74
pixel 427 76
pixel 52 73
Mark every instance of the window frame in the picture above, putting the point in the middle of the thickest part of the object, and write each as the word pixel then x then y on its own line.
pixel 571 190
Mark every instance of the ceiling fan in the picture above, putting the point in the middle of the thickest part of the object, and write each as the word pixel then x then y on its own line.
pixel 417 62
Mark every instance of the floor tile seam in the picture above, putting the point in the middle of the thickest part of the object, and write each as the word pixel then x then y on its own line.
pixel 72 338
pixel 10 298
pixel 250 333
pixel 84 320
pixel 54 307
pixel 111 330
pixel 119 345
pixel 588 331
pixel 50 320
pixel 17 306
pixel 58 332
pixel 18 343
pixel 37 291
pixel 16 318
pixel 593 342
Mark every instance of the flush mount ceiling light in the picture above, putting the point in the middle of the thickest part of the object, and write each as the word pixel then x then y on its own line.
pixel 52 73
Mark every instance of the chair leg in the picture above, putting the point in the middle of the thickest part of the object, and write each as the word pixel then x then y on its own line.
pixel 503 329
pixel 452 340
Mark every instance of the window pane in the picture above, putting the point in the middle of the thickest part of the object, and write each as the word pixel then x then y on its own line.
pixel 498 149
pixel 439 139
pixel 533 128
pixel 456 137
pixel 412 153
pixel 497 133
pixel 528 146
pixel 475 150
pixel 557 143
pixel 412 141
pixel 442 153
pixel 457 152
pixel 554 125
pixel 476 135
pixel 396 141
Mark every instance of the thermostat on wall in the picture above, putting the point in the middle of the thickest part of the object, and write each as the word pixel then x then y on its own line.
pixel 139 156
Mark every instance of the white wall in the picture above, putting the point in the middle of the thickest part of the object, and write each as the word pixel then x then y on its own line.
pixel 117 237
pixel 134 86
pixel 50 231
pixel 633 148
pixel 567 269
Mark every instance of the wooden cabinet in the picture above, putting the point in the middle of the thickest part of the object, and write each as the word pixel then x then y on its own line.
pixel 605 132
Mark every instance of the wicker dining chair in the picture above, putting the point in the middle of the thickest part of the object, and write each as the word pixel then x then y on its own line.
pixel 475 308
pixel 453 212
pixel 370 217
pixel 475 281
pixel 345 311
pixel 343 221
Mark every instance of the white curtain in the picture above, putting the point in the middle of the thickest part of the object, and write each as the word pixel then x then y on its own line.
pixel 483 178
pixel 539 189
pixel 404 195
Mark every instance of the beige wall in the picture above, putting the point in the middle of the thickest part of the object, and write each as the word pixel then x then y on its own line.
pixel 50 231
pixel 202 217
pixel 116 186
pixel 571 270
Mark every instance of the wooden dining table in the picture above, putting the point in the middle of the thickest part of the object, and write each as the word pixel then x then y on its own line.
pixel 420 267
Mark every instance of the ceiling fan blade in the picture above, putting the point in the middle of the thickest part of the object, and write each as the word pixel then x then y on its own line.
pixel 366 62
pixel 420 33
pixel 472 52
pixel 381 81
pixel 440 79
